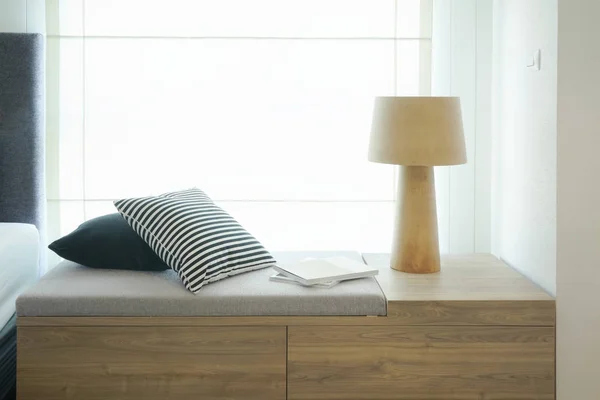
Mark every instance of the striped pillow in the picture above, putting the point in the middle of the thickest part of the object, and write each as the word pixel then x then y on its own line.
pixel 194 236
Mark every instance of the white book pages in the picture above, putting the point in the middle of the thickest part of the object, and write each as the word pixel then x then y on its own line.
pixel 311 271
pixel 286 279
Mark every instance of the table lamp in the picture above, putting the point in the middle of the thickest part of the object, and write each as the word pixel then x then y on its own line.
pixel 416 133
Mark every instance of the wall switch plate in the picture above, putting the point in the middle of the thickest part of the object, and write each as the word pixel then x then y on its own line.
pixel 535 60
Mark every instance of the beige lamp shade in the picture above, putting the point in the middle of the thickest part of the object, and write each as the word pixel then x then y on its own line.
pixel 425 131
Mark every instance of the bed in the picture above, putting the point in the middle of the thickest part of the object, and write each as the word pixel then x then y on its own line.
pixel 19 251
pixel 8 358
pixel 22 193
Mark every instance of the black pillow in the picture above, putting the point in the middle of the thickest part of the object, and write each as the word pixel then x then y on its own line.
pixel 108 242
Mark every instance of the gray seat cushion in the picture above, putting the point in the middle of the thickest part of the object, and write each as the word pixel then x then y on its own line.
pixel 70 289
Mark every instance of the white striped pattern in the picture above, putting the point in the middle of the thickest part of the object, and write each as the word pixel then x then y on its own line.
pixel 194 236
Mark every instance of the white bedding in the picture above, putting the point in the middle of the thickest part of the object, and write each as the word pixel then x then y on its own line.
pixel 19 255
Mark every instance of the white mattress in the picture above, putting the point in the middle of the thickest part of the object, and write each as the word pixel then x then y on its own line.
pixel 19 255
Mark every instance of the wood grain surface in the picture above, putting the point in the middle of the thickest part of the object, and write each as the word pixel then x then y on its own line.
pixel 480 277
pixel 500 313
pixel 90 363
pixel 421 363
pixel 415 247
pixel 490 312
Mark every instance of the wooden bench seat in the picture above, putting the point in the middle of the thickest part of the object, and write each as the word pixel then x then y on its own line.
pixel 477 330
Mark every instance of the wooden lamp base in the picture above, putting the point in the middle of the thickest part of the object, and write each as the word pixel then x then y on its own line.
pixel 415 247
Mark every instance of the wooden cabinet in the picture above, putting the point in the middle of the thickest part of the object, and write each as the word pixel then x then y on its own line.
pixel 477 330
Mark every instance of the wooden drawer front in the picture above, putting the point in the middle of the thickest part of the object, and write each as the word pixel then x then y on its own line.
pixel 180 363
pixel 420 363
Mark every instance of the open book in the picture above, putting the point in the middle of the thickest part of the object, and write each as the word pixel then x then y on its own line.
pixel 279 277
pixel 325 270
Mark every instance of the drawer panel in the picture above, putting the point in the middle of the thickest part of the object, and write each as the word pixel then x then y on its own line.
pixel 424 363
pixel 151 363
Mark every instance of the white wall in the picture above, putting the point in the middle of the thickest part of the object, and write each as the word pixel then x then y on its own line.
pixel 546 182
pixel 524 138
pixel 578 212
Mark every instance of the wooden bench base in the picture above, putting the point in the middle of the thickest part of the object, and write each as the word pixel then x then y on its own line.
pixel 60 359
pixel 477 330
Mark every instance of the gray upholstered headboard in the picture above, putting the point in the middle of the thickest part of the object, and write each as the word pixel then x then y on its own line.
pixel 22 184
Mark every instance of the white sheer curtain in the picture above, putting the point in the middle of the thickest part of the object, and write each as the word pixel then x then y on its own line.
pixel 264 104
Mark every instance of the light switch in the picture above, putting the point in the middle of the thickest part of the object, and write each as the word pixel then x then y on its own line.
pixel 535 60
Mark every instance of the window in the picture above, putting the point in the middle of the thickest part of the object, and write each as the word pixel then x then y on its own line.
pixel 264 104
